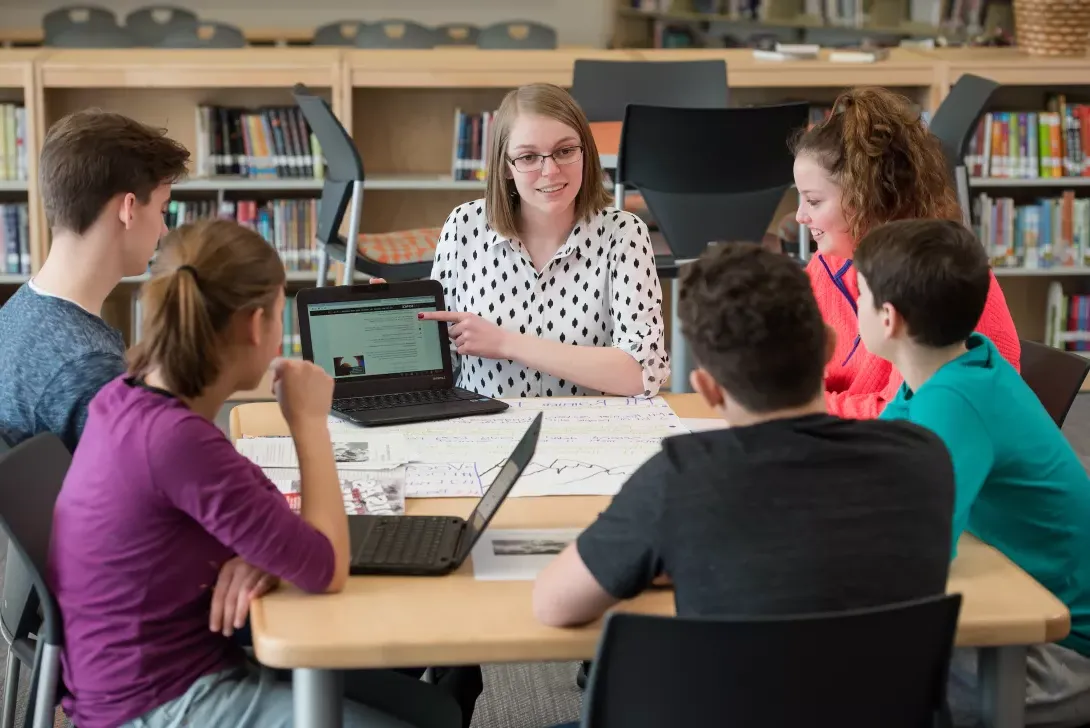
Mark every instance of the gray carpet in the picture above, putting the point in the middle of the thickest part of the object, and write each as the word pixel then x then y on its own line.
pixel 540 695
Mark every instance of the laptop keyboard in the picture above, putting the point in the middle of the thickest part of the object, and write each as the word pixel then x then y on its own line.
pixel 397 540
pixel 401 399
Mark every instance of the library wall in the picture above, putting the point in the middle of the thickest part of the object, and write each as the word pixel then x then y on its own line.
pixel 578 22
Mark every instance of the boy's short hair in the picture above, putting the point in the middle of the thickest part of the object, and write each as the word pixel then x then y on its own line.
pixel 90 156
pixel 934 272
pixel 753 323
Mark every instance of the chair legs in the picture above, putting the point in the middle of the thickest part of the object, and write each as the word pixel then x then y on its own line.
pixel 11 689
pixel 323 267
pixel 45 700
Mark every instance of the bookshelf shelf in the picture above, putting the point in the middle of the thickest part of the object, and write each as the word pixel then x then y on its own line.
pixel 421 182
pixel 1049 182
pixel 14 185
pixel 205 68
pixel 1054 272
pixel 241 184
pixel 10 279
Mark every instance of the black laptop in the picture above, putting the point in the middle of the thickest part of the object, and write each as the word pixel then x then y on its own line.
pixel 434 545
pixel 388 366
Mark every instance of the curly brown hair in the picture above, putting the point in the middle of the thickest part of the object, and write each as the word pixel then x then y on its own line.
pixel 888 165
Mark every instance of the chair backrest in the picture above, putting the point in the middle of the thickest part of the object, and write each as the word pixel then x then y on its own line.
pixel 150 25
pixel 1054 375
pixel 604 88
pixel 344 164
pixel 396 34
pixel 709 174
pixel 85 26
pixel 205 35
pixel 775 671
pixel 88 18
pixel 959 113
pixel 458 34
pixel 517 35
pixel 341 33
pixel 31 475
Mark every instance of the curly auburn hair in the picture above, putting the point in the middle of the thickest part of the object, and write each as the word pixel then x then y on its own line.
pixel 888 165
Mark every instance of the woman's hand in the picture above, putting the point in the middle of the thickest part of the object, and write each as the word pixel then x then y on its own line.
pixel 473 335
pixel 237 585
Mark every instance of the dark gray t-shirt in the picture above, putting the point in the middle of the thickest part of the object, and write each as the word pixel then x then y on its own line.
pixel 54 357
pixel 810 514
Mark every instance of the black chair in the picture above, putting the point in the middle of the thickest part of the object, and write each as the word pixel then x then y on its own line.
pixel 517 35
pixel 341 33
pixel 776 672
pixel 84 26
pixel 954 123
pixel 604 88
pixel 343 188
pixel 395 34
pixel 457 34
pixel 204 35
pixel 31 475
pixel 150 25
pixel 706 175
pixel 1054 375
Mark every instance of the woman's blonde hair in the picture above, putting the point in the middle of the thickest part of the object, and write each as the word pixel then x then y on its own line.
pixel 551 101
pixel 205 273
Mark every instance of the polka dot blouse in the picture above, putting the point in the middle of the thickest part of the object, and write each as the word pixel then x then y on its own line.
pixel 599 289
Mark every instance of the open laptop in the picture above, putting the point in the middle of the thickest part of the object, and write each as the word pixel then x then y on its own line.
pixel 388 366
pixel 434 545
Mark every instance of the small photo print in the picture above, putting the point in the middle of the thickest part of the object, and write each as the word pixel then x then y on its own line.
pixel 528 547
pixel 351 452
pixel 349 366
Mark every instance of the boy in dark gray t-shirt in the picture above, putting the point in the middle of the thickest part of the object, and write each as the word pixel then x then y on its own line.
pixel 790 509
pixel 105 181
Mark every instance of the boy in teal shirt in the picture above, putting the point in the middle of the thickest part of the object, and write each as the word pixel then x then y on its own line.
pixel 1019 486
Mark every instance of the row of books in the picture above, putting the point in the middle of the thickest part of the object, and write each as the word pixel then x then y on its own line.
pixel 1049 233
pixel 293 342
pixel 289 225
pixel 270 143
pixel 1074 315
pixel 1032 144
pixel 15 239
pixel 13 144
pixel 472 133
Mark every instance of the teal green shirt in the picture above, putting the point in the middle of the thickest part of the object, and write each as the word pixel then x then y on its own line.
pixel 1019 485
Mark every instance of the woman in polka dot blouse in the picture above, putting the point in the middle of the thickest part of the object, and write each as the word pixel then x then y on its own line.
pixel 549 290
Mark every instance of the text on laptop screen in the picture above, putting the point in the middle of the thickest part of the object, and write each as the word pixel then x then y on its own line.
pixel 380 337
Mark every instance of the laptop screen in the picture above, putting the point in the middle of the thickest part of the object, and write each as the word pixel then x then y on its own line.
pixel 377 338
pixel 505 480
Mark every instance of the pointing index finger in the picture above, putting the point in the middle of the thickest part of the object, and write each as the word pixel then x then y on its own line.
pixel 448 316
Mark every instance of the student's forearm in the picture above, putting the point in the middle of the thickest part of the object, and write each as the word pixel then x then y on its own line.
pixel 323 503
pixel 605 368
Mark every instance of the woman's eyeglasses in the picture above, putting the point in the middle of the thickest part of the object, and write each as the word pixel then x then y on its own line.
pixel 533 162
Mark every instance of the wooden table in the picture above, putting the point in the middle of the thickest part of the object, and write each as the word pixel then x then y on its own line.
pixel 383 621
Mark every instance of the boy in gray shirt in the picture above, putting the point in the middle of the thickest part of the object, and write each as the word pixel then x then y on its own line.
pixel 105 182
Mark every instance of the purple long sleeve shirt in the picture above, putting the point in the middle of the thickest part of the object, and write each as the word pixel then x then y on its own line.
pixel 156 501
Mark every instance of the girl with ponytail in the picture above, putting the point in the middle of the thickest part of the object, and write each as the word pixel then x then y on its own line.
pixel 872 161
pixel 163 532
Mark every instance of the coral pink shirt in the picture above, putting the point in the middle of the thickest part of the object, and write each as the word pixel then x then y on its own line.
pixel 858 384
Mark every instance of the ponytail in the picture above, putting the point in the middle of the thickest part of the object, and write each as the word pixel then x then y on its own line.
pixel 888 165
pixel 206 272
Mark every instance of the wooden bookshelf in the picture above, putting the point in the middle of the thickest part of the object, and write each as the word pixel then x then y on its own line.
pixel 17 85
pixel 400 108
pixel 164 88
